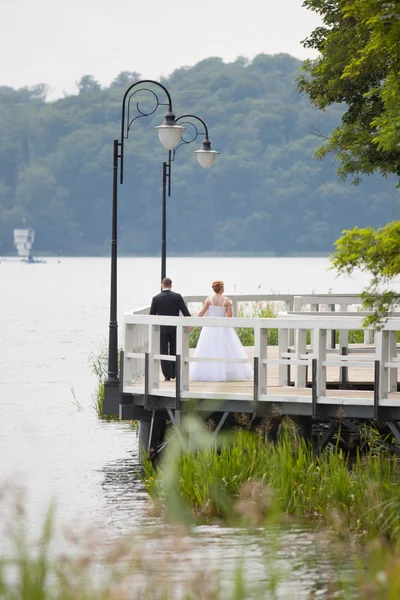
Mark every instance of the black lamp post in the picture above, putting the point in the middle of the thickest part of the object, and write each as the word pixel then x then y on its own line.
pixel 205 156
pixel 170 133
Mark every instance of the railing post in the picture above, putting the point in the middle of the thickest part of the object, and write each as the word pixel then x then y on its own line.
pixel 289 307
pixel 313 308
pixel 234 307
pixel 392 355
pixel 283 344
pixel 146 381
pixel 331 338
pixel 300 379
pixel 343 333
pixel 128 367
pixel 297 303
pixel 314 395
pixel 382 355
pixel 178 369
pixel 154 365
pixel 319 352
pixel 377 369
pixel 182 348
pixel 260 352
pixel 368 336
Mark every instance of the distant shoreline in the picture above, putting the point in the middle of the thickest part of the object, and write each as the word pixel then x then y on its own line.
pixel 174 255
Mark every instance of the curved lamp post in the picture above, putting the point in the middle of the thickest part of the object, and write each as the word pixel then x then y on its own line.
pixel 205 156
pixel 169 133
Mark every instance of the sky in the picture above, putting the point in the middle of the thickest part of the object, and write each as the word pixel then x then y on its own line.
pixel 56 42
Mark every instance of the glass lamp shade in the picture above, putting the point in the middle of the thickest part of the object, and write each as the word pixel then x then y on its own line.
pixel 206 157
pixel 169 135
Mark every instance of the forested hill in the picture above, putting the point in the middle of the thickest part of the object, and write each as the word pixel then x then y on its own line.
pixel 264 194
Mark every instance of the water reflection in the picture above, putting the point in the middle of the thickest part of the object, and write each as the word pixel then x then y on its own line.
pixel 295 554
pixel 126 498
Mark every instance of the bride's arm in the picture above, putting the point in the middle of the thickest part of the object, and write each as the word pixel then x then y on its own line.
pixel 205 308
pixel 229 311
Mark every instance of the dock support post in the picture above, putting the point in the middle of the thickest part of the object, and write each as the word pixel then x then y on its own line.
pixel 304 427
pixel 144 438
pixel 394 428
pixel 344 371
pixel 326 437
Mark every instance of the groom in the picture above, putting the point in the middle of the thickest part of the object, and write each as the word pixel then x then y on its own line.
pixel 168 303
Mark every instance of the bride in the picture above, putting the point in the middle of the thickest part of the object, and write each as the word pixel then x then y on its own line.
pixel 219 342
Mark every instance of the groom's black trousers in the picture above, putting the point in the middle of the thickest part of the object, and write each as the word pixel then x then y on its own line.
pixel 168 346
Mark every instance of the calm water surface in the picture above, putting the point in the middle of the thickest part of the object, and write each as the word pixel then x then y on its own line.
pixel 52 316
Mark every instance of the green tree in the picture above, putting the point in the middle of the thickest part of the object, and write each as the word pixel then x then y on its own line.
pixel 359 65
pixel 376 252
pixel 265 194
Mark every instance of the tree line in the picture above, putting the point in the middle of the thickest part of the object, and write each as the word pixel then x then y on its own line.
pixel 265 193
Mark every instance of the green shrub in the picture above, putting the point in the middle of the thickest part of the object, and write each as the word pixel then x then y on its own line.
pixel 246 334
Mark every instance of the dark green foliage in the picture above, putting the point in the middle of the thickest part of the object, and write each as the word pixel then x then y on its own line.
pixel 265 194
pixel 377 252
pixel 359 66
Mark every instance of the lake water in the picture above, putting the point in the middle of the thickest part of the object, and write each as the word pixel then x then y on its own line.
pixel 52 316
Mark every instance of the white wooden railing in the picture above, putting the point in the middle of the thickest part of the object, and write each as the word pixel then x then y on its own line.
pixel 249 306
pixel 142 336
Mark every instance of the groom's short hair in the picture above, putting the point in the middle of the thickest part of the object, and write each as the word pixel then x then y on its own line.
pixel 166 282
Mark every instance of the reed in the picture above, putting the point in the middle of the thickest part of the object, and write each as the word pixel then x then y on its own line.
pixel 98 363
pixel 90 569
pixel 208 479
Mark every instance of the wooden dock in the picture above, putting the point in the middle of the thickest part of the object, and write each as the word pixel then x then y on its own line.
pixel 313 381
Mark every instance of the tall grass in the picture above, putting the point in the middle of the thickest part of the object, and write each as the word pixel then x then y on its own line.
pixel 208 480
pixel 89 569
pixel 98 364
pixel 261 484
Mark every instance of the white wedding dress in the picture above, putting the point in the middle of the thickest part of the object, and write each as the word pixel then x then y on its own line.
pixel 219 342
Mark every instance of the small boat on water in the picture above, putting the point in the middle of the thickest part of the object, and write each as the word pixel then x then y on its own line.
pixel 23 241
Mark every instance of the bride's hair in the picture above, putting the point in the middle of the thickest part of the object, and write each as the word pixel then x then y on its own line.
pixel 217 286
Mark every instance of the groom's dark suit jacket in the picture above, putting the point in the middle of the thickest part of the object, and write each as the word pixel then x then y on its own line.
pixel 168 303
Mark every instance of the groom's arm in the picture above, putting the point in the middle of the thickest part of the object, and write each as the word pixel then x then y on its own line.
pixel 183 308
pixel 153 308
